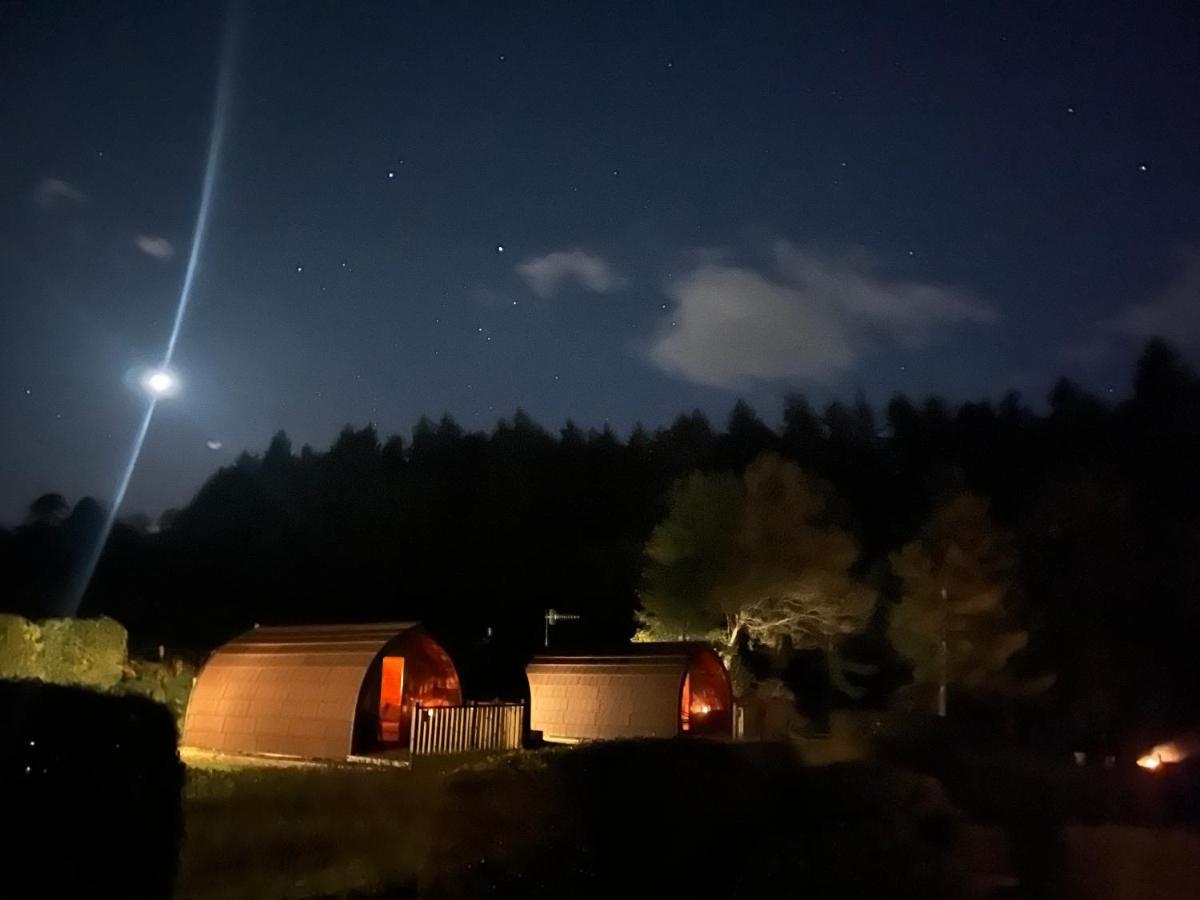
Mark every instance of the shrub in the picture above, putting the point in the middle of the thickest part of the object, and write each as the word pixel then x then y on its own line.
pixel 89 652
pixel 20 648
pixel 168 683
pixel 92 783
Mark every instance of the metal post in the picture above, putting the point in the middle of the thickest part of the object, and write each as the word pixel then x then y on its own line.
pixel 943 661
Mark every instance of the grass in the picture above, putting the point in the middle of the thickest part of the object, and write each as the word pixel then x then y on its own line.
pixel 259 828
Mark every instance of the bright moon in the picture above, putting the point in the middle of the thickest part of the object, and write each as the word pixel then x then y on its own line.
pixel 160 382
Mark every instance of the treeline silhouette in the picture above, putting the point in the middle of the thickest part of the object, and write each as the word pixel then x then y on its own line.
pixel 476 534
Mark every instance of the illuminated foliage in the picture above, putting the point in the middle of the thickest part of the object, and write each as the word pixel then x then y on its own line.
pixel 791 574
pixel 20 648
pixel 755 557
pixel 953 623
pixel 689 555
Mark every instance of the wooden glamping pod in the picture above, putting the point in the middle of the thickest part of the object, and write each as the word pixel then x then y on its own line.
pixel 646 690
pixel 318 691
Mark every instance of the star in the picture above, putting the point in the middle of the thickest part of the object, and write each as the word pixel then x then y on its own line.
pixel 499 248
pixel 299 268
pixel 1143 168
pixel 1070 109
pixel 391 173
pixel 28 392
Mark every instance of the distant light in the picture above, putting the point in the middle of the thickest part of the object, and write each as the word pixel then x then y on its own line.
pixel 213 445
pixel 160 382
pixel 499 248
pixel 1168 753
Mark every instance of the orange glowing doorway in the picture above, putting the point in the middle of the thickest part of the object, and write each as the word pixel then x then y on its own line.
pixel 391 698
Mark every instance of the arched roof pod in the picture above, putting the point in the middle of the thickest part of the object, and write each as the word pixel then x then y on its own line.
pixel 645 690
pixel 301 690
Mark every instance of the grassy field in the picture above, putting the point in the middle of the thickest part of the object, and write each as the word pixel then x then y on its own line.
pixel 257 829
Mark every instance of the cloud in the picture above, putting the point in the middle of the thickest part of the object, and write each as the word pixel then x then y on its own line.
pixel 807 319
pixel 1174 314
pixel 54 193
pixel 546 275
pixel 158 247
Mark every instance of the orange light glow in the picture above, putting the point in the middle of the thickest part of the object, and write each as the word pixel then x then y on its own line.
pixel 391 698
pixel 1167 753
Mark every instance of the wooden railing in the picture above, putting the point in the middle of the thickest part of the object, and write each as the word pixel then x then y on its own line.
pixel 458 729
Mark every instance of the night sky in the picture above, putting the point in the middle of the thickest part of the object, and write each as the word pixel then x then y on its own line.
pixel 611 212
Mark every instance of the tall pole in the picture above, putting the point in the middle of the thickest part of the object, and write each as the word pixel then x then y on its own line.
pixel 943 660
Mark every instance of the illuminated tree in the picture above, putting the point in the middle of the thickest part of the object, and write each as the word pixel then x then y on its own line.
pixel 688 555
pixel 952 623
pixel 790 578
pixel 754 557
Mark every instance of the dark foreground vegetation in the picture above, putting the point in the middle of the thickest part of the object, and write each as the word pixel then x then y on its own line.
pixel 91 790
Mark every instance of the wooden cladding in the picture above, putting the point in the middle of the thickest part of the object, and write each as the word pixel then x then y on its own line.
pixel 458 729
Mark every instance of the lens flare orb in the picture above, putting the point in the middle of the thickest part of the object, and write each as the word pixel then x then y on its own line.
pixel 160 382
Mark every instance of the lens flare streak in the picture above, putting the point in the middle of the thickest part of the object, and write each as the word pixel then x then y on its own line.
pixel 161 382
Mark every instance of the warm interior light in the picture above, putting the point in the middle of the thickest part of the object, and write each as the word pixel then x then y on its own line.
pixel 1150 762
pixel 391 698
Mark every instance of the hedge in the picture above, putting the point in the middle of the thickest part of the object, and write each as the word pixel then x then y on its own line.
pixel 92 788
pixel 698 819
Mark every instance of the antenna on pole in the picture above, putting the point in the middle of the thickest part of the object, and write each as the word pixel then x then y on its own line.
pixel 553 617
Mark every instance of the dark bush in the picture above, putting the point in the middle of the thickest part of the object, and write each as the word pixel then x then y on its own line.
pixel 91 786
pixel 678 818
